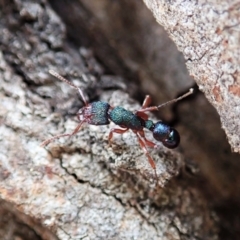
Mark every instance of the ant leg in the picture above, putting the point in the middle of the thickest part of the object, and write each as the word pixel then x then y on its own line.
pixel 147 101
pixel 142 115
pixel 148 143
pixel 150 160
pixel 116 130
pixel 46 142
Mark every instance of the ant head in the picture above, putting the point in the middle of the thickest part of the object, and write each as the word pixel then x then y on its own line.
pixel 164 133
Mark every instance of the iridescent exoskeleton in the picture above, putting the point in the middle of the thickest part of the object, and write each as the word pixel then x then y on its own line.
pixel 101 113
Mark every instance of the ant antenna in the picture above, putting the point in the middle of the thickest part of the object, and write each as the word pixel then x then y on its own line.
pixel 57 75
pixel 176 99
pixel 156 108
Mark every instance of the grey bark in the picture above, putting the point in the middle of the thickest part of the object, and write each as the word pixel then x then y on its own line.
pixel 207 32
pixel 81 187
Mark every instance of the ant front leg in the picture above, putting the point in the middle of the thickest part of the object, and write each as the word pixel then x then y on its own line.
pixel 147 101
pixel 116 130
pixel 148 143
pixel 76 130
pixel 144 148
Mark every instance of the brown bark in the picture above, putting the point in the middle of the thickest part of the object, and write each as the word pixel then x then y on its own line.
pixel 81 187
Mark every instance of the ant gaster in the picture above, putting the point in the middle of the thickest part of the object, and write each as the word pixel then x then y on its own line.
pixel 101 113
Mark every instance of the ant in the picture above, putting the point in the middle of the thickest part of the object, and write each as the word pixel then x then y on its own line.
pixel 101 113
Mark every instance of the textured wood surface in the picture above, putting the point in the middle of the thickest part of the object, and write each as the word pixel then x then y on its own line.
pixel 207 33
pixel 81 187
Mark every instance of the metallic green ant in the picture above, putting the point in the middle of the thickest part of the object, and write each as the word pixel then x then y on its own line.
pixel 101 113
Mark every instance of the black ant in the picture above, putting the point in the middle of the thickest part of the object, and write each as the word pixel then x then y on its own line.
pixel 101 113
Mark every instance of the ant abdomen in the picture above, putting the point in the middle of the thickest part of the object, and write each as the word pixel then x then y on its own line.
pixel 167 135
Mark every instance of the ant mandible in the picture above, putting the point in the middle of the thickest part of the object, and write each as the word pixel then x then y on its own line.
pixel 101 113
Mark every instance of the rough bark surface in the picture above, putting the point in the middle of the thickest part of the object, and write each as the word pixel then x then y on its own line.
pixel 80 187
pixel 208 34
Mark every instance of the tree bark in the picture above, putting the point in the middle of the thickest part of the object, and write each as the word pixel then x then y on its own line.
pixel 80 187
pixel 207 32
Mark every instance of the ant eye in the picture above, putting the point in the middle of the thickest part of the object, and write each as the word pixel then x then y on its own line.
pixel 168 136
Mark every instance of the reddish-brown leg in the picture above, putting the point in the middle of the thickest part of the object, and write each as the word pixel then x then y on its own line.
pixel 148 143
pixel 142 115
pixel 116 130
pixel 147 101
pixel 150 160
pixel 46 142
